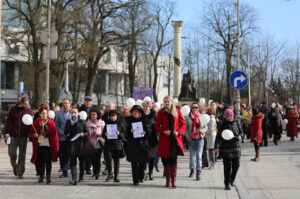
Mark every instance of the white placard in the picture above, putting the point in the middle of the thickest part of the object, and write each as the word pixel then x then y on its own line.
pixel 138 129
pixel 8 140
pixel 75 137
pixel 111 131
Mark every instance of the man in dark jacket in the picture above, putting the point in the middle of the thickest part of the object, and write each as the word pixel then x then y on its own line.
pixel 264 110
pixel 18 133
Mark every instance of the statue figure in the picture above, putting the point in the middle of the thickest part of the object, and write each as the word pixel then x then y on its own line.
pixel 188 90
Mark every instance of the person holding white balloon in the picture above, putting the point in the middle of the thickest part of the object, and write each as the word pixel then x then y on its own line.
pixel 17 130
pixel 170 124
pixel 228 145
pixel 195 131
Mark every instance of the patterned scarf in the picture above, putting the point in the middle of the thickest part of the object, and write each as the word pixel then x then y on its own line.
pixel 196 122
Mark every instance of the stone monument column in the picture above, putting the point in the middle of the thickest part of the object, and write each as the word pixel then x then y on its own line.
pixel 177 25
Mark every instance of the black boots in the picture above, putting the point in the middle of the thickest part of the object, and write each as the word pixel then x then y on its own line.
pixel 109 177
pixel 198 175
pixel 48 180
pixel 192 173
pixel 74 176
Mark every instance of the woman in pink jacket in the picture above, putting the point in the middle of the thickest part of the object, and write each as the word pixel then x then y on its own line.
pixel 95 126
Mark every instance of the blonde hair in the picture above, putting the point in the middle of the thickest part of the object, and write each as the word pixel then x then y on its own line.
pixel 173 109
pixel 147 103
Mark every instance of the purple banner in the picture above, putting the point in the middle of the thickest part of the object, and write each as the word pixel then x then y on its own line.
pixel 142 92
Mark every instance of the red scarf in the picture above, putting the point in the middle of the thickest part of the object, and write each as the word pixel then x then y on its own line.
pixel 196 122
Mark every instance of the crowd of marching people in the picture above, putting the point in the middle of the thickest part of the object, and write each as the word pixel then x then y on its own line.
pixel 143 134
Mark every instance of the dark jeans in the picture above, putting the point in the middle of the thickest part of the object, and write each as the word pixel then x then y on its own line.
pixel 64 155
pixel 265 135
pixel 169 161
pixel 96 161
pixel 231 166
pixel 115 154
pixel 15 143
pixel 204 154
pixel 44 160
pixel 138 171
pixel 88 163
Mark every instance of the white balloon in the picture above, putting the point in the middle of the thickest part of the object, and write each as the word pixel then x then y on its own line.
pixel 147 99
pixel 273 105
pixel 202 101
pixel 157 106
pixel 51 115
pixel 185 110
pixel 204 119
pixel 27 119
pixel 227 134
pixel 175 101
pixel 83 115
pixel 130 102
pixel 285 121
pixel 139 102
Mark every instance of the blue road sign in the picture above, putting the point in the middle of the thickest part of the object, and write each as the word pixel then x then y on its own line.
pixel 238 79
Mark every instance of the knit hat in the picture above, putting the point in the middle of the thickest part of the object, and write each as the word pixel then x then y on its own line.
pixel 228 112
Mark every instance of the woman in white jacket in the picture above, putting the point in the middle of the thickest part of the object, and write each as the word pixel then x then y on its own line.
pixel 195 132
pixel 211 136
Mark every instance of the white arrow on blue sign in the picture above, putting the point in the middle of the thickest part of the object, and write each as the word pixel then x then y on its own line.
pixel 238 79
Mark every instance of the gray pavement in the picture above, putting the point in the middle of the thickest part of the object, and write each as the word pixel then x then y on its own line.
pixel 277 175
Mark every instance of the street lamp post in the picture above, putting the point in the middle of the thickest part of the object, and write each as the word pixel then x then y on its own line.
pixel 237 91
pixel 249 75
pixel 48 53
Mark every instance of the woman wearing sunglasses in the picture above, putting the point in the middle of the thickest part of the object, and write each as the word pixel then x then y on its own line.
pixel 195 133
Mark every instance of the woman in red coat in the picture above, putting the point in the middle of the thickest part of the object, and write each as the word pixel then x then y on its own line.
pixel 256 131
pixel 170 124
pixel 291 126
pixel 45 143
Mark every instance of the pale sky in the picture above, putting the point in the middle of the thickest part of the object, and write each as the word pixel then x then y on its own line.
pixel 277 17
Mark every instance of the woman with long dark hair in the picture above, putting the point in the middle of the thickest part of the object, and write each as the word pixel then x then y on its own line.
pixel 170 124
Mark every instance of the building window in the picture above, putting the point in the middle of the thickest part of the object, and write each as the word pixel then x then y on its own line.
pixel 166 81
pixel 7 75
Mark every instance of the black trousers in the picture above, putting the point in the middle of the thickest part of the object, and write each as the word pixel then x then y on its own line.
pixel 265 135
pixel 73 163
pixel 169 161
pixel 231 167
pixel 44 160
pixel 151 164
pixel 109 155
pixel 138 171
pixel 204 154
pixel 64 155
pixel 256 145
pixel 96 161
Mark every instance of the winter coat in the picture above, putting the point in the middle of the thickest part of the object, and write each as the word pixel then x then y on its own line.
pixel 189 125
pixel 211 132
pixel 14 125
pixel 153 135
pixel 274 122
pixel 256 128
pixel 114 144
pixel 161 125
pixel 137 148
pixel 52 136
pixel 72 130
pixel 291 126
pixel 229 148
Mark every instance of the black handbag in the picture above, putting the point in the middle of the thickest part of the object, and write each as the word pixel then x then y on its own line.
pixel 122 152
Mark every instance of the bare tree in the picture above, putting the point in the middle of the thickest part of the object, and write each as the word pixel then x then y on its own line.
pixel 219 22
